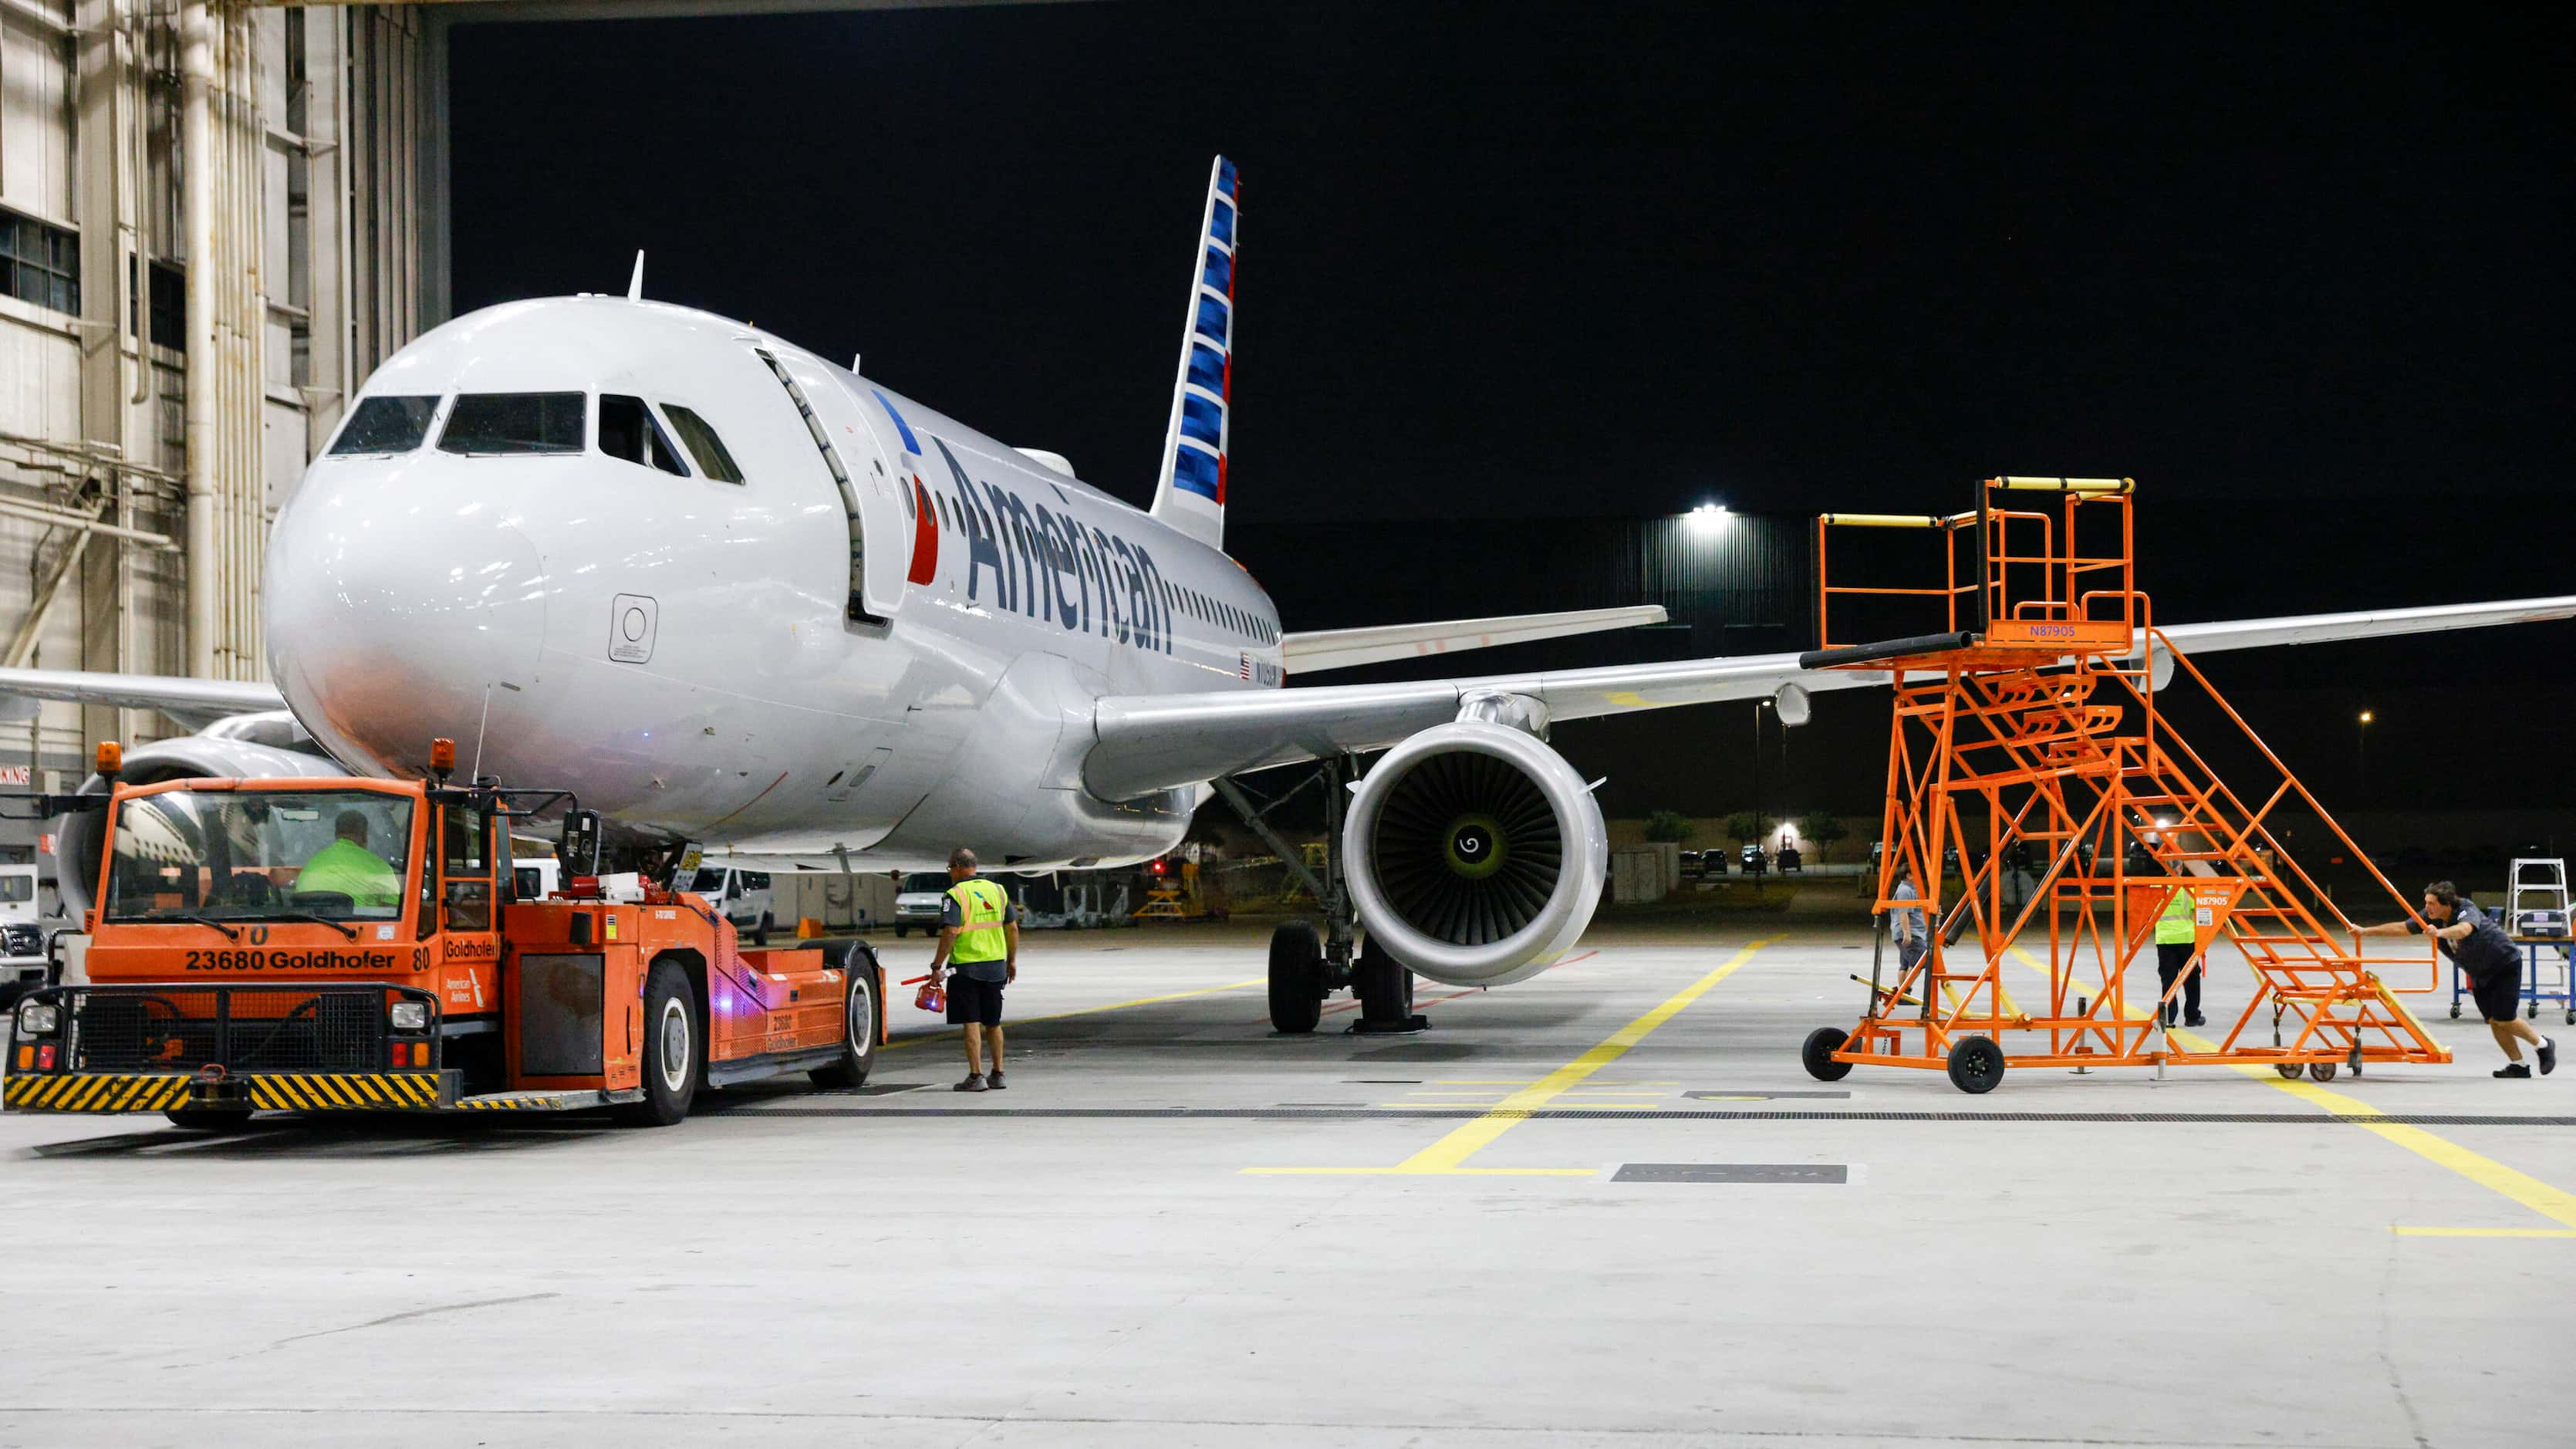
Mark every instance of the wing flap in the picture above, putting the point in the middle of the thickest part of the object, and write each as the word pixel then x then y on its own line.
pixel 1312 652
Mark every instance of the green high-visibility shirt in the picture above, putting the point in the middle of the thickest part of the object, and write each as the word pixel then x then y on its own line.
pixel 982 909
pixel 352 870
pixel 2178 925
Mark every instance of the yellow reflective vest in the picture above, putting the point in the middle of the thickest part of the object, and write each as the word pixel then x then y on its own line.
pixel 2178 926
pixel 981 905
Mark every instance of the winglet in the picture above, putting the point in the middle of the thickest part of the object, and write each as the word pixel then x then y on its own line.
pixel 1190 495
pixel 635 286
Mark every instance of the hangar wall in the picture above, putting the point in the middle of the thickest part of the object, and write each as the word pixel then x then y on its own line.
pixel 304 274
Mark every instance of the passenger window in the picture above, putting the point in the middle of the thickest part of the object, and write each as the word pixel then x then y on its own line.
pixel 703 444
pixel 468 871
pixel 755 880
pixel 627 431
pixel 514 422
pixel 385 425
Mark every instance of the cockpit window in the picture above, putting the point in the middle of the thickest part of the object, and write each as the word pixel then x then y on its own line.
pixel 627 430
pixel 514 422
pixel 385 425
pixel 703 444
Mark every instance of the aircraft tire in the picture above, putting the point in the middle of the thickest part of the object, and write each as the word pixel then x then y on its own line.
pixel 861 1016
pixel 1385 987
pixel 1296 978
pixel 675 1056
pixel 209 1119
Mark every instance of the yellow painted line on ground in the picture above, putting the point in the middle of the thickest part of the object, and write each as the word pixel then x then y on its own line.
pixel 2484 1232
pixel 1450 1153
pixel 2553 1203
pixel 952 1033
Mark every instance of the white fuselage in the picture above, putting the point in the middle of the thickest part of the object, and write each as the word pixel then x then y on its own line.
pixel 681 650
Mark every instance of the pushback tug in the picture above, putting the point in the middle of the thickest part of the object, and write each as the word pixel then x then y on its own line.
pixel 360 945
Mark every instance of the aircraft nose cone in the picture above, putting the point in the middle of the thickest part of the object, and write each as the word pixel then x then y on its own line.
pixel 388 627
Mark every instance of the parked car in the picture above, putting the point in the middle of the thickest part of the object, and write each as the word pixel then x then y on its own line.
pixel 916 902
pixel 1755 862
pixel 1790 859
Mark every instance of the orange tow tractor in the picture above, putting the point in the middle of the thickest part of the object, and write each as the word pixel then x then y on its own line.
pixel 349 945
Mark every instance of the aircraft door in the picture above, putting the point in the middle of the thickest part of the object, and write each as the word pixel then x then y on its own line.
pixel 881 514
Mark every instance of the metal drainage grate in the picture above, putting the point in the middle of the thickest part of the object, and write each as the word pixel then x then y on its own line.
pixel 1812 1172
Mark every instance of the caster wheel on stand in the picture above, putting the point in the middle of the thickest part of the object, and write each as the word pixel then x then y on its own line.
pixel 1976 1065
pixel 1818 1054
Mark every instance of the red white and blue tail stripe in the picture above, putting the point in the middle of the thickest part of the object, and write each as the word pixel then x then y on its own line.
pixel 1191 493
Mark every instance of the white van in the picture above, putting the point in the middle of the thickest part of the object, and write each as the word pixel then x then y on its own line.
pixel 743 896
pixel 22 939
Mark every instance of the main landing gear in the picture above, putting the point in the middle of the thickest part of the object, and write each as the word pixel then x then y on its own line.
pixel 1308 964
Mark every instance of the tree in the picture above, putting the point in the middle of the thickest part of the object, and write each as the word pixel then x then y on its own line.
pixel 1670 826
pixel 1744 825
pixel 1821 831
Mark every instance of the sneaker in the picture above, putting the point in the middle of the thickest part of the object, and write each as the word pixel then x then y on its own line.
pixel 2548 1055
pixel 974 1083
pixel 2195 1019
pixel 993 1079
pixel 2513 1069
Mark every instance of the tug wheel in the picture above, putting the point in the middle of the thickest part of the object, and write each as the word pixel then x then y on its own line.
pixel 1818 1054
pixel 1976 1065
pixel 859 1024
pixel 675 1058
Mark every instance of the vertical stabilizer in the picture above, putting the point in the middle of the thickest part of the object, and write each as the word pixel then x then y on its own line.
pixel 1191 493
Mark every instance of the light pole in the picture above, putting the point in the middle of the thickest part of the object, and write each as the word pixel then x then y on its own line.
pixel 1758 706
pixel 2361 751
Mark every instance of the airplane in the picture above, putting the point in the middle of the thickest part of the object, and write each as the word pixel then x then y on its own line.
pixel 732 593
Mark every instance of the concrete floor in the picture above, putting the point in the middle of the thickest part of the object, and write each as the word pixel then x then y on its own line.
pixel 1089 1259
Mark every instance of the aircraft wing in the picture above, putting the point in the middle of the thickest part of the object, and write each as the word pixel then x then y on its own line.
pixel 193 702
pixel 1158 742
pixel 1343 648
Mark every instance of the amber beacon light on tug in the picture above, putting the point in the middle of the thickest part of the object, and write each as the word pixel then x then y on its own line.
pixel 2046 808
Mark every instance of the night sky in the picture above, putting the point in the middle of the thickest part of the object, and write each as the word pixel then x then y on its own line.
pixel 2304 272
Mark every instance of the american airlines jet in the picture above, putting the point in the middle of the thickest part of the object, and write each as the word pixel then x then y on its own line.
pixel 732 593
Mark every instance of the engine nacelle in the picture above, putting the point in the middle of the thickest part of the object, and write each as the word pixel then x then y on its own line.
pixel 249 747
pixel 1475 854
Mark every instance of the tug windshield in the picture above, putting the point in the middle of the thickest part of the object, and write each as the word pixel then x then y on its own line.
pixel 234 855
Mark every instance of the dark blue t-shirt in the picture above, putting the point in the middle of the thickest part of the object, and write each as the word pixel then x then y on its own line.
pixel 2484 951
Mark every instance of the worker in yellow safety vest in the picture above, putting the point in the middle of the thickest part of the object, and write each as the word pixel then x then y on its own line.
pixel 979 934
pixel 2177 932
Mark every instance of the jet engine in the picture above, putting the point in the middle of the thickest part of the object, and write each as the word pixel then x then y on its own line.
pixel 1475 854
pixel 245 747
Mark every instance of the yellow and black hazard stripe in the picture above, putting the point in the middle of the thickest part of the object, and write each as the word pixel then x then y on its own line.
pixel 95 1092
pixel 342 1091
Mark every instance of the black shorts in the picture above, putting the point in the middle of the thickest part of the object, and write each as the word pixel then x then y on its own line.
pixel 970 1000
pixel 2498 993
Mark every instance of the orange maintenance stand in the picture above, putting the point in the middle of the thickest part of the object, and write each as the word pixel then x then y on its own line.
pixel 342 945
pixel 2046 807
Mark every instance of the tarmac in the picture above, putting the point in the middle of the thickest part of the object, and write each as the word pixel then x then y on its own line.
pixel 1605 1207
